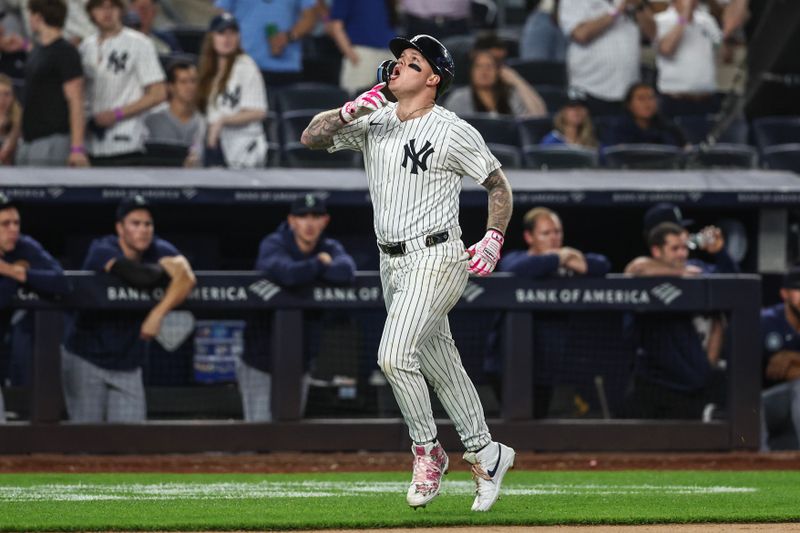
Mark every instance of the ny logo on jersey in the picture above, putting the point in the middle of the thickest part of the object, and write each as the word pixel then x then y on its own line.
pixel 116 62
pixel 232 98
pixel 418 159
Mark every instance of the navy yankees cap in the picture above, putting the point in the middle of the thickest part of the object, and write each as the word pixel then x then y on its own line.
pixel 664 212
pixel 6 202
pixel 309 204
pixel 791 280
pixel 132 204
pixel 222 22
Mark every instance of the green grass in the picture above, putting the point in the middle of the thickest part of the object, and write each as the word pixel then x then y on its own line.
pixel 196 502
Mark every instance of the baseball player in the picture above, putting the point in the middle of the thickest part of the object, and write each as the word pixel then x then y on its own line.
pixel 124 79
pixel 415 154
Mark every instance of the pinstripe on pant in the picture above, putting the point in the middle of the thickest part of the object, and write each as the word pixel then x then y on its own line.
pixel 419 290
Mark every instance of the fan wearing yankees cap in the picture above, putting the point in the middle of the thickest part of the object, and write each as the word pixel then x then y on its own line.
pixel 102 357
pixel 415 154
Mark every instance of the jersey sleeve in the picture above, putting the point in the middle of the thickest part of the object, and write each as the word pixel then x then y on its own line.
pixel 468 154
pixel 99 254
pixel 571 13
pixel 254 95
pixel 165 249
pixel 351 137
pixel 70 66
pixel 148 67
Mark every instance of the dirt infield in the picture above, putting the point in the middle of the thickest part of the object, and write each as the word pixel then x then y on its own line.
pixel 377 462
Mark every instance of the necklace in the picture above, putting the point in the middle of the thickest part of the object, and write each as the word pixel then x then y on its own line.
pixel 420 109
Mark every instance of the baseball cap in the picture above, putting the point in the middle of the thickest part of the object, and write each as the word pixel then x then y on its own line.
pixel 6 202
pixel 132 204
pixel 791 280
pixel 222 22
pixel 664 212
pixel 309 204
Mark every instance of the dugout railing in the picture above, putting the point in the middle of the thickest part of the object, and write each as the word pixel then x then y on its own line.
pixel 737 297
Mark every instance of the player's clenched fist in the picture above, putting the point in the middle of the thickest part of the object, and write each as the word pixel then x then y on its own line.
pixel 365 104
pixel 485 254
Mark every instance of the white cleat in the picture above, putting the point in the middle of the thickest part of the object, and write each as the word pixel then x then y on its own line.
pixel 430 464
pixel 489 466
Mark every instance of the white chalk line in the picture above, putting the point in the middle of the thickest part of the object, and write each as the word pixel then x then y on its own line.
pixel 79 492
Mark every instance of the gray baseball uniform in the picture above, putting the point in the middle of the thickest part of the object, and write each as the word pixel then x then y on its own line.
pixel 414 169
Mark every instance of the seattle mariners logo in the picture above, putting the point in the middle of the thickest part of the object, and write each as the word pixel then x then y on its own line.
pixel 116 62
pixel 418 159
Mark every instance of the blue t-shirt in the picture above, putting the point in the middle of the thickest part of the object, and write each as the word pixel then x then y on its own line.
pixel 44 274
pixel 365 21
pixel 554 137
pixel 521 263
pixel 111 340
pixel 776 335
pixel 256 17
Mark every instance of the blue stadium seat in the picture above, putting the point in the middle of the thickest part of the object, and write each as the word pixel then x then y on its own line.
pixel 190 38
pixel 723 155
pixel 554 97
pixel 540 72
pixel 508 155
pixel 782 157
pixel 316 96
pixel 495 130
pixel 271 124
pixel 532 130
pixel 604 126
pixel 697 127
pixel 770 131
pixel 553 157
pixel 295 155
pixel 643 156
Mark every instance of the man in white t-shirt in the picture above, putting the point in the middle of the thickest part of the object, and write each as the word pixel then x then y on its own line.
pixel 686 40
pixel 124 80
pixel 604 48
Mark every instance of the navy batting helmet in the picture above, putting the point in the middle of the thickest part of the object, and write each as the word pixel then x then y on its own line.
pixel 434 52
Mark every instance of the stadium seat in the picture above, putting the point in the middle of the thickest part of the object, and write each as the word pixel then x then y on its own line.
pixel 554 97
pixel 460 47
pixel 508 155
pixel 604 126
pixel 316 96
pixel 540 72
pixel 295 155
pixel 533 130
pixel 271 124
pixel 164 154
pixel 697 127
pixel 723 155
pixel 643 156
pixel 190 38
pixel 782 157
pixel 495 130
pixel 558 157
pixel 770 131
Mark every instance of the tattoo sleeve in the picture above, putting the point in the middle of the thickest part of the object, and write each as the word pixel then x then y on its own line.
pixel 319 133
pixel 500 200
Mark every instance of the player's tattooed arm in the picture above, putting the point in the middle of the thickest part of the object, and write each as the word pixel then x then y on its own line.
pixel 320 131
pixel 500 200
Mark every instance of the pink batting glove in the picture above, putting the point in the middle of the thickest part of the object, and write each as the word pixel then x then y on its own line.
pixel 484 255
pixel 365 104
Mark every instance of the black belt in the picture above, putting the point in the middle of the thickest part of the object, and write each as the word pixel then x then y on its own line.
pixel 399 248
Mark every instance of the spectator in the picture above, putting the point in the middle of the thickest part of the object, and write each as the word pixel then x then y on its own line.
pixel 546 255
pixel 10 121
pixel 497 89
pixel 441 19
pixel 179 122
pixel 102 357
pixel 686 40
pixel 77 25
pixel 232 95
pixel 53 124
pixel 603 53
pixel 141 16
pixel 780 333
pixel 361 29
pixel 296 254
pixel 676 356
pixel 573 127
pixel 23 262
pixel 541 39
pixel 271 35
pixel 121 87
pixel 642 122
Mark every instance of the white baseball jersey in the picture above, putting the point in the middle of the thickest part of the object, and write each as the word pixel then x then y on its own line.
pixel 117 70
pixel 414 168
pixel 243 146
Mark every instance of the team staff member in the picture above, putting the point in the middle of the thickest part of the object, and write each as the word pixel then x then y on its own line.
pixel 415 154
pixel 124 80
pixel 780 330
pixel 23 262
pixel 295 254
pixel 101 361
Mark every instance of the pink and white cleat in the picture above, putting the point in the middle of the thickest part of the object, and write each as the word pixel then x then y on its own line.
pixel 430 464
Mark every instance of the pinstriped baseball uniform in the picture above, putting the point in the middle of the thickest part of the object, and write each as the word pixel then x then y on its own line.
pixel 414 169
